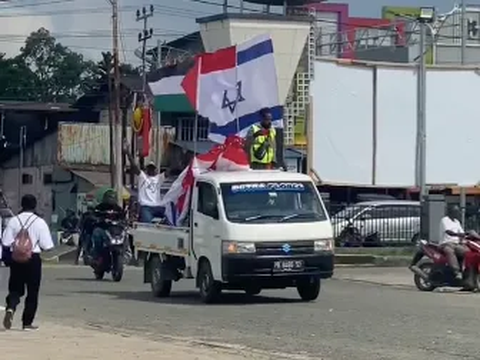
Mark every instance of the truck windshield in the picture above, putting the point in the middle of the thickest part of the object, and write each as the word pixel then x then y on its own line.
pixel 272 202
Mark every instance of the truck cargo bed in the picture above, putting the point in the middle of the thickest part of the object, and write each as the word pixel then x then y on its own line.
pixel 161 239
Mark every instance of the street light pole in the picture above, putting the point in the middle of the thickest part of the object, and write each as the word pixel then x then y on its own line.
pixel 463 31
pixel 426 17
pixel 421 112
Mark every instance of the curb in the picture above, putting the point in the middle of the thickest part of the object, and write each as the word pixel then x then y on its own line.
pixel 67 254
pixel 372 260
pixel 60 254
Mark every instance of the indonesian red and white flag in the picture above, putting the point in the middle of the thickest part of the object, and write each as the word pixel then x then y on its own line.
pixel 227 157
pixel 231 86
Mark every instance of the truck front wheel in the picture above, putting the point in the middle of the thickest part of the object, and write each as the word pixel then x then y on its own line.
pixel 160 286
pixel 209 288
pixel 309 289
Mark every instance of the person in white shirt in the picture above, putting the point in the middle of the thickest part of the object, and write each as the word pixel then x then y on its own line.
pixel 26 275
pixel 451 231
pixel 149 189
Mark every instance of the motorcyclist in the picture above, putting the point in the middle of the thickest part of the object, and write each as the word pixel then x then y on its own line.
pixel 86 226
pixel 115 212
pixel 70 222
pixel 451 233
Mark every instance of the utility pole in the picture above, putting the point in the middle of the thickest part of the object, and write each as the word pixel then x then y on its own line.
pixel 116 88
pixel 107 59
pixel 143 37
pixel 463 29
pixel 159 142
pixel 22 141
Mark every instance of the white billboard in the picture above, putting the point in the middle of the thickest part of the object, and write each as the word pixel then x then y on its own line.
pixel 364 121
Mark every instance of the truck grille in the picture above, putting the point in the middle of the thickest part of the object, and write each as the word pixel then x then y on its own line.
pixel 285 248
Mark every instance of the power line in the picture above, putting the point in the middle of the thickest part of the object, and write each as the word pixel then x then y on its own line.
pixel 166 10
pixel 29 5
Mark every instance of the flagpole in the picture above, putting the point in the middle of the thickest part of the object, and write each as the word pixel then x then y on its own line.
pixel 195 125
pixel 236 100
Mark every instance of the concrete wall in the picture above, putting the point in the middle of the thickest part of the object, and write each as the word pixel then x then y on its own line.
pixel 288 36
pixel 42 152
pixel 10 180
pixel 450 55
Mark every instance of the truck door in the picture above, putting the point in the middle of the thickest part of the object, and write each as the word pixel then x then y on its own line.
pixel 205 228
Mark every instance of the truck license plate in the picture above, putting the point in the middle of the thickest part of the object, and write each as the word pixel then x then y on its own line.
pixel 288 265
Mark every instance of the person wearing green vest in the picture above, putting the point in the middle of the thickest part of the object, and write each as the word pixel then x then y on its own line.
pixel 260 143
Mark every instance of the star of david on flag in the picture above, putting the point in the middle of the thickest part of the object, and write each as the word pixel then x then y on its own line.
pixel 231 85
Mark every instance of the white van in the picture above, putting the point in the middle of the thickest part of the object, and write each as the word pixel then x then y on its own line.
pixel 248 230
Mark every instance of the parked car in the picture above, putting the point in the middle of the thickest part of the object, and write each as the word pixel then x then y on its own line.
pixel 378 222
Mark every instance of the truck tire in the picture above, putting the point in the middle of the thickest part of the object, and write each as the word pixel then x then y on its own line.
pixel 160 286
pixel 209 289
pixel 309 289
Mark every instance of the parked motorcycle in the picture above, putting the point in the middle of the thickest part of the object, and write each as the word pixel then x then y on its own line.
pixel 67 237
pixel 435 272
pixel 350 236
pixel 114 251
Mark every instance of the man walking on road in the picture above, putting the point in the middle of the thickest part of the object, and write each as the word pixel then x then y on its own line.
pixel 25 236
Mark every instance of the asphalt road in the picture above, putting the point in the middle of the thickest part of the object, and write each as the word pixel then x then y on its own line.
pixel 351 320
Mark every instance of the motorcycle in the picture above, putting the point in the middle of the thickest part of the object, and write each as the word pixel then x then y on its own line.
pixel 350 236
pixel 68 237
pixel 114 252
pixel 433 270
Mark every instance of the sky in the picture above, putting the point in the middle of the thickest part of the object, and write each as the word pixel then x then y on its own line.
pixel 85 25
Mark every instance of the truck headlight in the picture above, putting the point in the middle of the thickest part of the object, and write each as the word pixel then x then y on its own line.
pixel 236 247
pixel 324 245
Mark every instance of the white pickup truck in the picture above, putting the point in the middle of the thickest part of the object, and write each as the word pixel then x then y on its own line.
pixel 246 230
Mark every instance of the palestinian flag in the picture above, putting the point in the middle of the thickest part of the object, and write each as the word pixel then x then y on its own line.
pixel 166 88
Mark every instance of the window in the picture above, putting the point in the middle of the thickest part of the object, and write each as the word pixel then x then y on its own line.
pixel 272 202
pixel 207 200
pixel 381 212
pixel 395 211
pixel 47 179
pixel 186 129
pixel 27 179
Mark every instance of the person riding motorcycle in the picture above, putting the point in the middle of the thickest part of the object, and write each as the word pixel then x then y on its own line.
pixel 70 221
pixel 108 204
pixel 86 227
pixel 451 233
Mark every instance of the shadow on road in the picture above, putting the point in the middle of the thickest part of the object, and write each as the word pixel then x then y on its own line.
pixel 192 298
pixel 84 279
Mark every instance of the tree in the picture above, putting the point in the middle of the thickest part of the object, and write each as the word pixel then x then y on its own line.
pixel 48 71
pixel 59 72
pixel 17 81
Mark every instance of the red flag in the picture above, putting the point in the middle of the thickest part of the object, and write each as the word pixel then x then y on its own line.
pixel 190 81
pixel 227 157
pixel 207 63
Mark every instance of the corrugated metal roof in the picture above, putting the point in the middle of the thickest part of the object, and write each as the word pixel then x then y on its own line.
pixel 96 178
